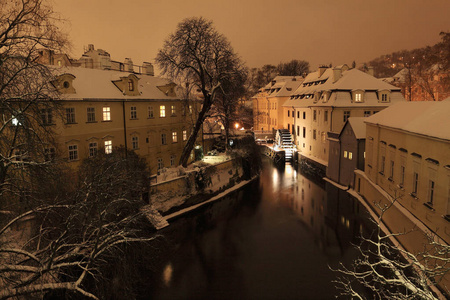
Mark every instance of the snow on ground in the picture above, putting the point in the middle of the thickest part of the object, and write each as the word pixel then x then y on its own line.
pixel 214 182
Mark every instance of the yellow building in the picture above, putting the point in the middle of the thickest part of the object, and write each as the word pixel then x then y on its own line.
pixel 324 102
pixel 105 108
pixel 267 104
pixel 408 157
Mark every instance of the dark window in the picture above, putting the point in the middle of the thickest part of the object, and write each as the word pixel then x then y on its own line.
pixel 46 116
pixel 133 111
pixel 70 115
pixel 346 115
pixel 91 114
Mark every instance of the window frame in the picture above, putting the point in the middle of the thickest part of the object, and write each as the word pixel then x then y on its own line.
pixel 106 114
pixel 90 114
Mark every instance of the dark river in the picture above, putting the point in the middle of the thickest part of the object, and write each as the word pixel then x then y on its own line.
pixel 274 239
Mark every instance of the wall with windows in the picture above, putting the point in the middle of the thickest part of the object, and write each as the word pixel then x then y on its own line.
pixel 413 168
pixel 155 129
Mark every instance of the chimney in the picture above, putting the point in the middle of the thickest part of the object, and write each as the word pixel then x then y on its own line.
pixel 370 71
pixel 91 47
pixel 128 65
pixel 147 69
pixel 337 73
pixel 322 70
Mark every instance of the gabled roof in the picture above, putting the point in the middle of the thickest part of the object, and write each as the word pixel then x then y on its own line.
pixel 428 118
pixel 358 126
pixel 99 84
pixel 347 81
pixel 355 79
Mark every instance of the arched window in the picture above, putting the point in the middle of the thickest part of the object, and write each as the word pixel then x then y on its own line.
pixel 130 85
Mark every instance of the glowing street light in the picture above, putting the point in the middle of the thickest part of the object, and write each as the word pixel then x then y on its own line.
pixel 236 125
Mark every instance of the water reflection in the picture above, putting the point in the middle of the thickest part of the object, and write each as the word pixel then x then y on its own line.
pixel 272 240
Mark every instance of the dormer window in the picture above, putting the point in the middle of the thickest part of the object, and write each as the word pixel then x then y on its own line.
pixel 357 96
pixel 130 85
pixel 383 96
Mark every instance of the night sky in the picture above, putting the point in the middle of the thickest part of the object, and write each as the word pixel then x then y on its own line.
pixel 261 31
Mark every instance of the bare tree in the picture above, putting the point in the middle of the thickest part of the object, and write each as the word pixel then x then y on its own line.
pixel 388 271
pixel 202 57
pixel 293 68
pixel 26 94
pixel 74 236
pixel 228 101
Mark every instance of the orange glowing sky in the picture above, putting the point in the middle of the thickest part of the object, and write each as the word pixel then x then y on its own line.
pixel 261 31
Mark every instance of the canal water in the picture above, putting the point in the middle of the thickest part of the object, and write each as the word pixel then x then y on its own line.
pixel 274 239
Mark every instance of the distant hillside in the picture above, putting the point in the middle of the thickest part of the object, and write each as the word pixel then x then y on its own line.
pixel 390 64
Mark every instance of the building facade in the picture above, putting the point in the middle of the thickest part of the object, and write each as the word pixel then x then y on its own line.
pixel 326 99
pixel 347 151
pixel 408 157
pixel 267 104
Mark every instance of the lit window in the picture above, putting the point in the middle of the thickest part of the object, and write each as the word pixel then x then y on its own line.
pixel 15 121
pixel 133 112
pixel 163 139
pixel 91 114
pixel 93 148
pixel 174 137
pixel 108 147
pixel 70 115
pixel 150 111
pixel 73 152
pixel 106 113
pixel 135 142
pixel 350 155
pixel 173 110
pixel 184 135
pixel 345 154
pixel 358 97
pixel 162 111
pixel 190 109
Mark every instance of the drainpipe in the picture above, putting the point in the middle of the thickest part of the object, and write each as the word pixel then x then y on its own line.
pixel 124 129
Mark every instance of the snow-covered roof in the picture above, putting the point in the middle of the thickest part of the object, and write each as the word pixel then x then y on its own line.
pixel 358 126
pixel 98 84
pixel 286 87
pixel 346 81
pixel 428 118
pixel 355 79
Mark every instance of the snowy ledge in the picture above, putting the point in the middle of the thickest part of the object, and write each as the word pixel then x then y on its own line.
pixel 213 199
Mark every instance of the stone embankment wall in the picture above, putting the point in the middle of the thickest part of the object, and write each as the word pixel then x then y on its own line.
pixel 214 177
pixel 400 217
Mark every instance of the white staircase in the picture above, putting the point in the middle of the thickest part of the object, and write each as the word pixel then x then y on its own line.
pixel 285 141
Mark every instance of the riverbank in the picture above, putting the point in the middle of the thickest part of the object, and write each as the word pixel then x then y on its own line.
pixel 184 190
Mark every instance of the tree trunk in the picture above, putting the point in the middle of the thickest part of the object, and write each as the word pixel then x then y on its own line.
pixel 193 137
